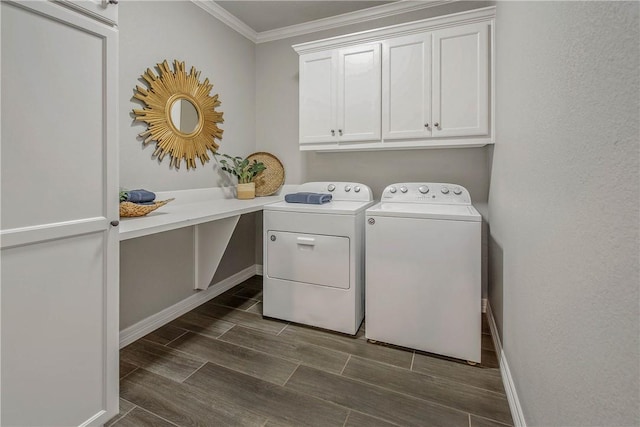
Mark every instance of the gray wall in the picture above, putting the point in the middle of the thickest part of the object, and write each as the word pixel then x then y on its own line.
pixel 564 208
pixel 157 271
pixel 277 125
pixel 152 31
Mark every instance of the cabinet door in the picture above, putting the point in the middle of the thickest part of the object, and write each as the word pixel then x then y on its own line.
pixel 461 81
pixel 59 192
pixel 406 87
pixel 359 93
pixel 318 74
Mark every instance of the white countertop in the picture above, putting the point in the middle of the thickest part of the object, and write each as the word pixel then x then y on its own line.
pixel 192 207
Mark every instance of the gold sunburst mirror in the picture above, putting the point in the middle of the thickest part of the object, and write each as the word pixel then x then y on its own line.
pixel 180 114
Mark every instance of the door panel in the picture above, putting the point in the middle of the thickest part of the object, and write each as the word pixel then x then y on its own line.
pixel 359 93
pixel 317 97
pixel 406 87
pixel 461 81
pixel 308 258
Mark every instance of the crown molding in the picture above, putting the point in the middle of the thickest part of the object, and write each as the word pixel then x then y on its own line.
pixel 370 14
pixel 228 19
pixel 359 16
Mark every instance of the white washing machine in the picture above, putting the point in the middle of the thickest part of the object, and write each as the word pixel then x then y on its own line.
pixel 314 258
pixel 423 270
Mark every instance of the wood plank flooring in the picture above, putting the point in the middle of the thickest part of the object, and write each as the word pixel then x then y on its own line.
pixel 223 364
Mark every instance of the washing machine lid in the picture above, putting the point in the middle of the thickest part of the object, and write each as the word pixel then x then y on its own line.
pixel 334 207
pixel 425 211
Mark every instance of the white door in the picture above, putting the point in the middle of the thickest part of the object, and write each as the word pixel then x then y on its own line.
pixel 461 81
pixel 406 87
pixel 318 75
pixel 59 193
pixel 359 93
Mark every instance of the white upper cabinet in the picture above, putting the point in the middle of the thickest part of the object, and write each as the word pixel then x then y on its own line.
pixel 461 81
pixel 340 95
pixel 318 94
pixel 406 87
pixel 423 84
pixel 359 93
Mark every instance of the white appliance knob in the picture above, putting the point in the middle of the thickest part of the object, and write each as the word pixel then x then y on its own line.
pixel 445 190
pixel 403 189
pixel 457 191
pixel 356 189
pixel 423 189
pixel 331 187
pixel 392 190
pixel 347 188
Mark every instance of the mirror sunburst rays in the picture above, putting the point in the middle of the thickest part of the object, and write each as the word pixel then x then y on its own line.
pixel 165 89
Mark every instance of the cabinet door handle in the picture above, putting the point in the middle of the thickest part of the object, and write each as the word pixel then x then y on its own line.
pixel 426 125
pixel 340 132
pixel 437 125
pixel 115 223
pixel 333 132
pixel 113 1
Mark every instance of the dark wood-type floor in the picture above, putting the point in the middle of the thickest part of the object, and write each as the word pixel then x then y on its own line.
pixel 224 364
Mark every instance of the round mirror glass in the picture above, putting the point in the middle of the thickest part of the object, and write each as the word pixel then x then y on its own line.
pixel 184 116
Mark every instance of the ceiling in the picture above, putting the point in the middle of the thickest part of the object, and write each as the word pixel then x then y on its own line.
pixel 267 15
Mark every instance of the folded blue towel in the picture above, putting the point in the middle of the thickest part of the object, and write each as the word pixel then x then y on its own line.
pixel 309 198
pixel 140 196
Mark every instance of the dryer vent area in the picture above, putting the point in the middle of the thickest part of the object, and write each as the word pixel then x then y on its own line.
pixel 224 363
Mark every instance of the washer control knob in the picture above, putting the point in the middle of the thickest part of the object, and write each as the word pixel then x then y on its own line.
pixel 392 190
pixel 371 221
pixel 423 189
pixel 356 188
pixel 445 190
pixel 347 188
pixel 273 238
pixel 331 187
pixel 403 189
pixel 457 191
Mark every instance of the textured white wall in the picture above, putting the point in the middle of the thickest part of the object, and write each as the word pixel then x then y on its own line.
pixel 564 208
pixel 277 125
pixel 152 31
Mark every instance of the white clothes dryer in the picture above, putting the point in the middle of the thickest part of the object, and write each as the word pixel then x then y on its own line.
pixel 314 258
pixel 423 270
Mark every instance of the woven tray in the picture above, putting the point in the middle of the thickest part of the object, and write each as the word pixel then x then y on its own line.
pixel 128 209
pixel 271 179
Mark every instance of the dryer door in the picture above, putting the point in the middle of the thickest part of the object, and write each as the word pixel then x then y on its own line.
pixel 308 258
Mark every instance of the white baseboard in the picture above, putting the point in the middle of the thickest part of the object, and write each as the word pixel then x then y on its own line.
pixel 485 301
pixel 259 270
pixel 153 322
pixel 507 379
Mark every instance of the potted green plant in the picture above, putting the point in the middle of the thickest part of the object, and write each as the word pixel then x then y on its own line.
pixel 245 171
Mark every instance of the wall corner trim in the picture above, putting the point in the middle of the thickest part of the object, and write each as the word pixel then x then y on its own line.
pixel 226 18
pixel 153 322
pixel 507 379
pixel 350 18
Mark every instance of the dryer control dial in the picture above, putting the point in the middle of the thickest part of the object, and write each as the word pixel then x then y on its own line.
pixel 331 187
pixel 392 190
pixel 457 191
pixel 347 188
pixel 403 189
pixel 356 188
pixel 445 190
pixel 423 189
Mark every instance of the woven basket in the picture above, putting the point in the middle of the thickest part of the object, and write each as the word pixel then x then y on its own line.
pixel 271 179
pixel 128 209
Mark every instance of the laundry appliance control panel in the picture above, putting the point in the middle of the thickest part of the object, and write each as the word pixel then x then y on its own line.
pixel 349 191
pixel 426 192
